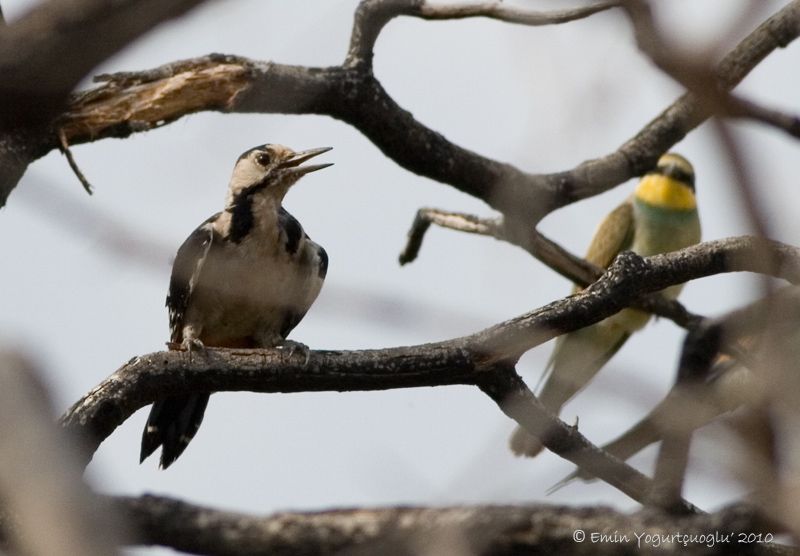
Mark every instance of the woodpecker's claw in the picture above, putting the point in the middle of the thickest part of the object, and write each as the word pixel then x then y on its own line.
pixel 193 345
pixel 290 347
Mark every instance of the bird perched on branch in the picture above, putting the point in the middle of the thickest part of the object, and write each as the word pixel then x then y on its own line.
pixel 661 216
pixel 243 279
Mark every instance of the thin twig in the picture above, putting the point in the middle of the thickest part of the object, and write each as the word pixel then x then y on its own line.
pixel 576 269
pixel 62 137
pixel 372 15
pixel 738 107
pixel 458 221
pixel 511 14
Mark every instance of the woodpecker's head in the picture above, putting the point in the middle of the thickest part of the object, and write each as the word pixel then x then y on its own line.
pixel 271 169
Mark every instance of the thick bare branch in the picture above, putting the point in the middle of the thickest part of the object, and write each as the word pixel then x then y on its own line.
pixel 482 359
pixel 450 362
pixel 353 95
pixel 479 530
pixel 147 378
pixel 47 52
pixel 18 149
pixel 134 102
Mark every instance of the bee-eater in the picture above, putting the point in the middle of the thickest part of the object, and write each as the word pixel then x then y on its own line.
pixel 661 216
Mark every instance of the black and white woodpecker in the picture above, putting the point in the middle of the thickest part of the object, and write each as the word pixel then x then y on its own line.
pixel 243 279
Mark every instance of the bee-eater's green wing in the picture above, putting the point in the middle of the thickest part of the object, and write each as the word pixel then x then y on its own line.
pixel 613 235
pixel 578 356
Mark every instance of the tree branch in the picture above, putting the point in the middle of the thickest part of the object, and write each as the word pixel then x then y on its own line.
pixel 700 348
pixel 134 102
pixel 373 15
pixel 353 95
pixel 511 14
pixel 67 152
pixel 46 508
pixel 738 107
pixel 479 530
pixel 483 359
pixel 576 269
pixel 491 227
pixel 696 73
pixel 718 373
pixel 46 53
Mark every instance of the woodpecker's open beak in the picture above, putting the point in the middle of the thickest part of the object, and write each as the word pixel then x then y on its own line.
pixel 293 164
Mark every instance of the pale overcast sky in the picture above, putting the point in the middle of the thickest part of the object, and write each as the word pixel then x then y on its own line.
pixel 544 99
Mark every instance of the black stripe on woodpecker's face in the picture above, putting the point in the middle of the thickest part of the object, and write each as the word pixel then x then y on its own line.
pixel 241 210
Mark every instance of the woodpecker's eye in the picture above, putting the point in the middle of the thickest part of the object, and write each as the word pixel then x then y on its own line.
pixel 263 159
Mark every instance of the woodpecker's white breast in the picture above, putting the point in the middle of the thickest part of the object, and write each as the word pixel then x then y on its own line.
pixel 254 286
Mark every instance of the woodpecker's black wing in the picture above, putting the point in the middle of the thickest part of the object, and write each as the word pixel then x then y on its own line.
pixel 174 421
pixel 186 272
pixel 294 239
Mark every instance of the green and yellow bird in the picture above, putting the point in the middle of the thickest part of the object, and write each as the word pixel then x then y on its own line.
pixel 661 216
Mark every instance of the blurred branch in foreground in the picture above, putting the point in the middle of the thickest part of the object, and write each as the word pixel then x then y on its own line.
pixel 46 508
pixel 474 530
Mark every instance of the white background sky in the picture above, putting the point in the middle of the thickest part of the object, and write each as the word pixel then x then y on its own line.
pixel 543 99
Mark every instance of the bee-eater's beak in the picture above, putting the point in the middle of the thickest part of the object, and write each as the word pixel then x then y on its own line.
pixel 293 163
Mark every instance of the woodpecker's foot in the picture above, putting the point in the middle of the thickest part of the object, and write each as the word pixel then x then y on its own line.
pixel 290 347
pixel 193 345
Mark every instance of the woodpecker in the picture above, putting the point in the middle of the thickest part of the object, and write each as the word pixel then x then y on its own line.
pixel 661 216
pixel 243 279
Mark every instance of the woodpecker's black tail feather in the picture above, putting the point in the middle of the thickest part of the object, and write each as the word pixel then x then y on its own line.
pixel 172 424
